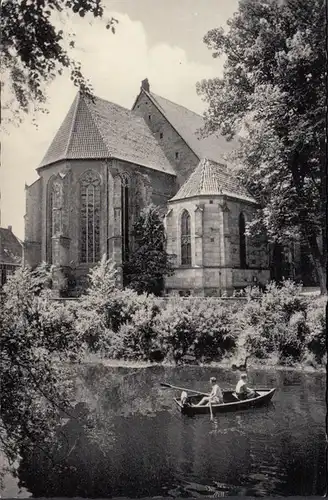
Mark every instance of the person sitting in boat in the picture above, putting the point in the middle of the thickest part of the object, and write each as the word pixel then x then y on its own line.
pixel 184 397
pixel 242 390
pixel 215 396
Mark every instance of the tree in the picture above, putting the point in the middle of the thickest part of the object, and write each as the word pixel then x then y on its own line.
pixel 33 47
pixel 146 267
pixel 272 96
pixel 37 337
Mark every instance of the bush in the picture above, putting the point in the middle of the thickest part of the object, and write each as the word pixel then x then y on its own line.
pixel 57 322
pixel 174 329
pixel 291 337
pixel 283 324
pixel 124 304
pixel 196 327
pixel 317 328
pixel 105 309
pixel 284 299
pixel 102 323
pixel 136 339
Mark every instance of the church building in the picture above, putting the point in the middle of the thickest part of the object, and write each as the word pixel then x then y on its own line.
pixel 106 163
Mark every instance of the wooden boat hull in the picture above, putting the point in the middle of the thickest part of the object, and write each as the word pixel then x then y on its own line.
pixel 231 403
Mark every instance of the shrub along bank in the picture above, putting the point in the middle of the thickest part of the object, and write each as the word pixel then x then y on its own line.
pixel 278 325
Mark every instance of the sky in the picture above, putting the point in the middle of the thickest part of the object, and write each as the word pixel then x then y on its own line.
pixel 160 40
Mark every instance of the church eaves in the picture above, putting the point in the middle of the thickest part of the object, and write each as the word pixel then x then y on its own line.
pixel 211 179
pixel 99 129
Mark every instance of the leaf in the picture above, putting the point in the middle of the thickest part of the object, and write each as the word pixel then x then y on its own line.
pixel 33 52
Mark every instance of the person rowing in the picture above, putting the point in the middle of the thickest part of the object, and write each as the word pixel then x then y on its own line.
pixel 215 397
pixel 242 390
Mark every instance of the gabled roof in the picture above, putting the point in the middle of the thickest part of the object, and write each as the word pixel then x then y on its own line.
pixel 210 179
pixel 11 249
pixel 100 129
pixel 188 125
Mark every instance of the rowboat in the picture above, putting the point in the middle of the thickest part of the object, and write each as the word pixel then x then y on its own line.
pixel 231 403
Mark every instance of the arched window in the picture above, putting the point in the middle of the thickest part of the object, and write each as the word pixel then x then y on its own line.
pixel 185 239
pixel 55 204
pixel 90 217
pixel 125 216
pixel 242 241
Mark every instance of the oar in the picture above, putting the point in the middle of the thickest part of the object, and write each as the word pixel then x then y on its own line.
pixel 170 386
pixel 211 411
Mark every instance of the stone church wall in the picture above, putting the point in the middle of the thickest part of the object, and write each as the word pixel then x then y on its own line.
pixel 170 141
pixel 70 172
pixel 213 229
pixel 33 223
pixel 215 247
pixel 257 250
pixel 33 209
pixel 145 186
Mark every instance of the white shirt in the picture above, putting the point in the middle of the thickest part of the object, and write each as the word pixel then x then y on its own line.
pixel 241 387
pixel 216 392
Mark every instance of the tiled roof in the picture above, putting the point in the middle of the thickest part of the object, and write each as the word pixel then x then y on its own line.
pixel 11 249
pixel 209 179
pixel 100 129
pixel 188 124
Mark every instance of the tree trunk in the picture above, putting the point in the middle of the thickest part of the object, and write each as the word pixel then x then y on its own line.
pixel 319 263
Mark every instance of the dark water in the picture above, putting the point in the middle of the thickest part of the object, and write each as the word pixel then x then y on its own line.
pixel 142 446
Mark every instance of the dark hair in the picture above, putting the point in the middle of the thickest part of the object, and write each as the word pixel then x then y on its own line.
pixel 212 379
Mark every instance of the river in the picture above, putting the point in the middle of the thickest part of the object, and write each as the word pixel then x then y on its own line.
pixel 143 447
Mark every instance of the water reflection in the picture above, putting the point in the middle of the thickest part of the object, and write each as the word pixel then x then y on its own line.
pixel 129 440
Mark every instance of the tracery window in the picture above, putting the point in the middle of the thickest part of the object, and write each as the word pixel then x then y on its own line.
pixel 185 239
pixel 242 241
pixel 90 217
pixel 125 215
pixel 55 205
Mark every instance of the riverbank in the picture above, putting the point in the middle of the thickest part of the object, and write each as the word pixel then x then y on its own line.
pixel 96 359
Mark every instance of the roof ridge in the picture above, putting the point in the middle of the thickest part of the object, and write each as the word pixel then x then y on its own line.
pixel 214 167
pixel 203 165
pixel 94 121
pixel 176 104
pixel 77 100
pixel 112 103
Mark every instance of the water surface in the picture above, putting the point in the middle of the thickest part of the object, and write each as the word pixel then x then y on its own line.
pixel 142 446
